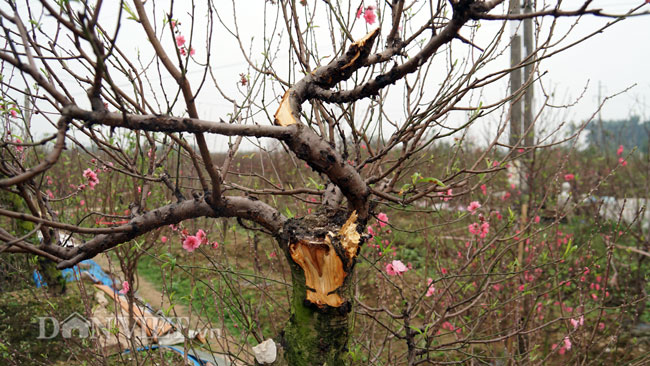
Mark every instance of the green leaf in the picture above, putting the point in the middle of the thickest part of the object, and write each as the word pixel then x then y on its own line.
pixel 433 180
pixel 132 14
pixel 569 249
pixel 418 178
pixel 316 184
pixel 168 310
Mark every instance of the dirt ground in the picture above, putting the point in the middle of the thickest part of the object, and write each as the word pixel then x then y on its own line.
pixel 143 288
pixel 148 292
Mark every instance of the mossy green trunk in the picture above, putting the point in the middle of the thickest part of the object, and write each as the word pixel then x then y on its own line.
pixel 56 284
pixel 46 268
pixel 321 251
pixel 315 336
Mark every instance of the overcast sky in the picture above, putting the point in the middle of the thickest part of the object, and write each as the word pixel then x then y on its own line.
pixel 617 59
pixel 603 65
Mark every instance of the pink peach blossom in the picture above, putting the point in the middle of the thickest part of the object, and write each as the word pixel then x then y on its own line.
pixel 125 288
pixel 383 219
pixel 473 228
pixel 180 40
pixel 92 178
pixel 201 235
pixel 485 229
pixel 473 206
pixel 18 141
pixel 396 268
pixel 430 290
pixel 449 193
pixel 369 15
pixel 190 243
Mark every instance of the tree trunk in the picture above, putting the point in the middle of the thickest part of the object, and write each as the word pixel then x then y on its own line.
pixel 321 250
pixel 315 336
pixel 56 284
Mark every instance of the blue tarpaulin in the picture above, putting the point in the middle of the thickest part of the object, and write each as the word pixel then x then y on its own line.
pixel 70 274
pixel 196 357
pixel 190 358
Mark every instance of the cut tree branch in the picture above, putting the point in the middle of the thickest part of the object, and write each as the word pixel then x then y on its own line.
pixel 247 208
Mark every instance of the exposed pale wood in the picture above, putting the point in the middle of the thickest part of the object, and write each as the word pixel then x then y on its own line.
pixel 284 115
pixel 362 46
pixel 323 269
pixel 350 237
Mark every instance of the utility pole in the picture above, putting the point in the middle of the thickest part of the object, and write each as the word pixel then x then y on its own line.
pixel 514 8
pixel 528 71
pixel 529 140
pixel 516 130
pixel 600 100
pixel 515 75
pixel 600 116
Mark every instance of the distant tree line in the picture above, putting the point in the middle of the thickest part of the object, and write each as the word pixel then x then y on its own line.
pixel 609 134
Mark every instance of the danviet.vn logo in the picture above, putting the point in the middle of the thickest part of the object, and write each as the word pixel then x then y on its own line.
pixel 77 326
